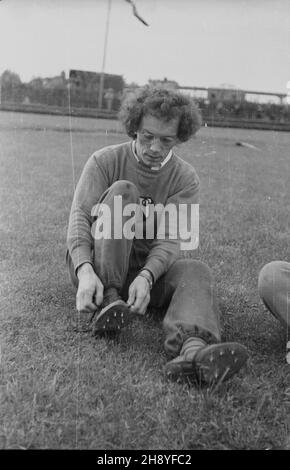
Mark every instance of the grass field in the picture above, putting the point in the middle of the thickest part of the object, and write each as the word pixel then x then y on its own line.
pixel 62 388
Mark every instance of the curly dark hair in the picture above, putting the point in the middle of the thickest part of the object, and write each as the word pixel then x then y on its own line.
pixel 163 103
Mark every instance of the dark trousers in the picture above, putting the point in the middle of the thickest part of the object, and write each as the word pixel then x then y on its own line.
pixel 185 292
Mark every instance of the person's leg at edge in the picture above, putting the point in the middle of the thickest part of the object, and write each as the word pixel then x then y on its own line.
pixel 192 325
pixel 274 290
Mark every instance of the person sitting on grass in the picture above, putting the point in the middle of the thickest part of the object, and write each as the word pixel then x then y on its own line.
pixel 274 290
pixel 119 273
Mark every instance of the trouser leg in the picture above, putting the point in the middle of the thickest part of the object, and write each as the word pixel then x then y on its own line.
pixel 186 290
pixel 274 289
pixel 111 252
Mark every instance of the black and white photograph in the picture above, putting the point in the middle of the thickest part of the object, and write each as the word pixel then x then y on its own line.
pixel 144 228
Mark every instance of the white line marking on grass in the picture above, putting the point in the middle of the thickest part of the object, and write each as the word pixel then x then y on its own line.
pixel 79 338
pixel 250 146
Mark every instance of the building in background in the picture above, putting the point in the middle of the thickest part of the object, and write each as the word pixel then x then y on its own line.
pixel 288 93
pixel 85 86
pixel 165 82
pixel 225 95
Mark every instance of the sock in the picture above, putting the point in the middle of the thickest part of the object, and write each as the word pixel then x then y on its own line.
pixel 110 295
pixel 190 347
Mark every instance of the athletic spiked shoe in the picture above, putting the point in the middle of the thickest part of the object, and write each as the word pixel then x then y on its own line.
pixel 114 314
pixel 211 364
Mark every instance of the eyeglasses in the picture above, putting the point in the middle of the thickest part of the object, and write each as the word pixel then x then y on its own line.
pixel 148 139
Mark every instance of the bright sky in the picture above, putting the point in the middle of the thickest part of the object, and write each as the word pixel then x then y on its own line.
pixel 244 43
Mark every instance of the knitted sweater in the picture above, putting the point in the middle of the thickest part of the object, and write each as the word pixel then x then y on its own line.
pixel 174 183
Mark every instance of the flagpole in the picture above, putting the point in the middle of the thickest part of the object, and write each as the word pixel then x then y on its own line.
pixel 101 89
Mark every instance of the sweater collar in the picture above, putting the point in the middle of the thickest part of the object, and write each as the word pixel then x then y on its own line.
pixel 154 168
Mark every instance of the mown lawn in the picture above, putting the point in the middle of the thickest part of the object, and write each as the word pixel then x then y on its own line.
pixel 63 388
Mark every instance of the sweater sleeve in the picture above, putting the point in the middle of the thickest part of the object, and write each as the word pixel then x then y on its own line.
pixel 165 251
pixel 92 184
